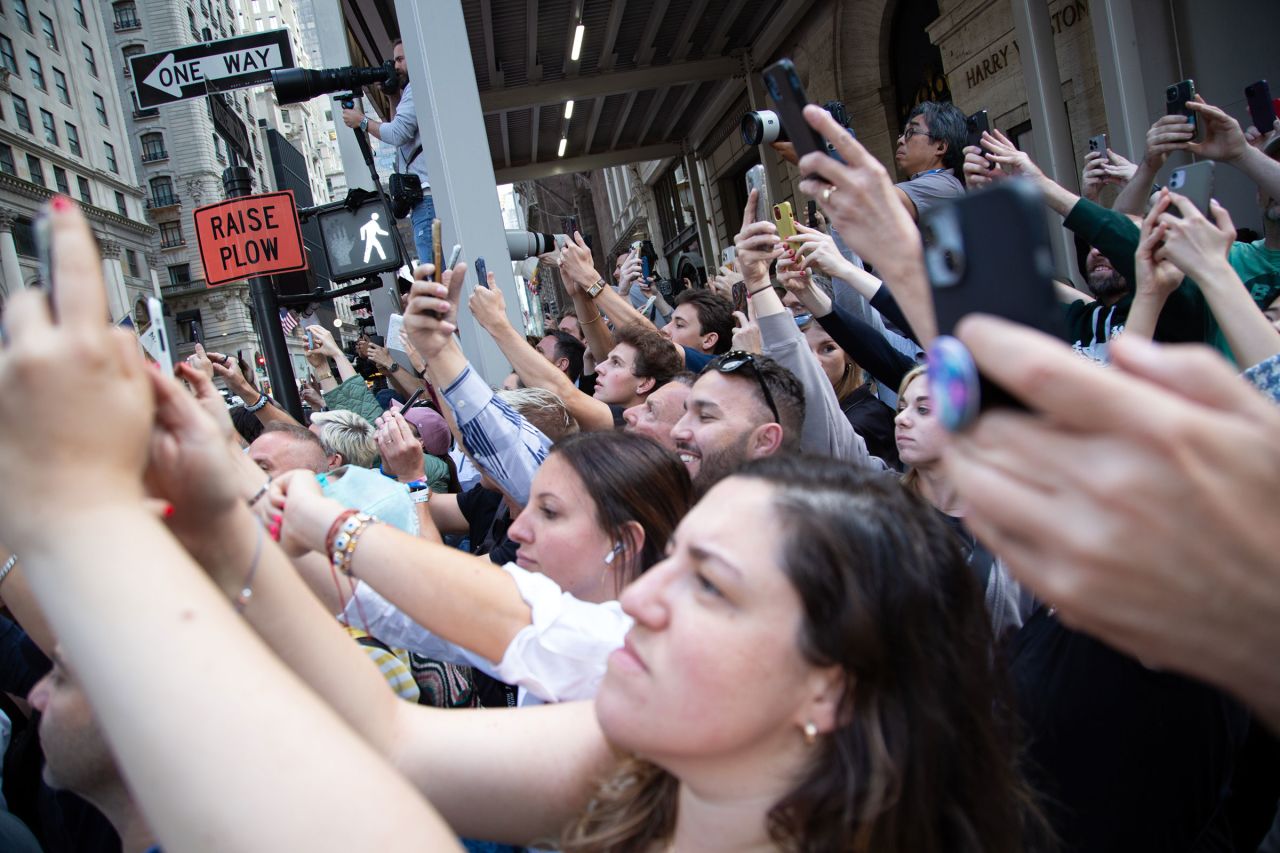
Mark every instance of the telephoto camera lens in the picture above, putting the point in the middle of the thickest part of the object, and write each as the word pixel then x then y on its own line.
pixel 761 128
pixel 295 85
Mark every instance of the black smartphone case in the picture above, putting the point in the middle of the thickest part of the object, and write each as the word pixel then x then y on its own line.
pixel 783 84
pixel 1007 264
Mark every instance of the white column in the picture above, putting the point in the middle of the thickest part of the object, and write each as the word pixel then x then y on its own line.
pixel 10 269
pixel 451 124
pixel 1049 125
pixel 113 274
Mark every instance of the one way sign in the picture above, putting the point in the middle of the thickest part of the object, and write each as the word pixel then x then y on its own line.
pixel 198 69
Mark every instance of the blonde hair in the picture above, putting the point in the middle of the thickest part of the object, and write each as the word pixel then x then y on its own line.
pixel 911 479
pixel 346 433
pixel 542 408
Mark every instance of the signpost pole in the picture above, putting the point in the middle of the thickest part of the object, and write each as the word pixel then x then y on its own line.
pixel 237 181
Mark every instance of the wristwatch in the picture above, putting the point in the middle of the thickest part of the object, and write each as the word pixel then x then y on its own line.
pixel 594 290
pixel 364 124
pixel 395 365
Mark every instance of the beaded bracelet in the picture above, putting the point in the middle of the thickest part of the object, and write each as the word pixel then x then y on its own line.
pixel 344 544
pixel 333 528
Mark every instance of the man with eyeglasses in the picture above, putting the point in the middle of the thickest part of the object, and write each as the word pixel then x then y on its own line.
pixel 931 154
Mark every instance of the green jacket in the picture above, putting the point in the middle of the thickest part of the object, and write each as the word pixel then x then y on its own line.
pixel 355 396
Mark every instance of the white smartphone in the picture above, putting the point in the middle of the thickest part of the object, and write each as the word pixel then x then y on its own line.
pixel 155 342
pixel 394 324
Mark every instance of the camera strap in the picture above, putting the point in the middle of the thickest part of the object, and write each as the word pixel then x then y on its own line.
pixel 413 155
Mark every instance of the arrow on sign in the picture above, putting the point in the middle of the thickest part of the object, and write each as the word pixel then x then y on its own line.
pixel 170 76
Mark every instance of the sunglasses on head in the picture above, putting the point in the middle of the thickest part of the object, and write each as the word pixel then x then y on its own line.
pixel 732 362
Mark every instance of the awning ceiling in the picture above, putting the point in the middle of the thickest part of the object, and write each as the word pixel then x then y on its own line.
pixel 652 78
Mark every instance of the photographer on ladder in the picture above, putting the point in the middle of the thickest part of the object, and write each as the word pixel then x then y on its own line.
pixel 410 187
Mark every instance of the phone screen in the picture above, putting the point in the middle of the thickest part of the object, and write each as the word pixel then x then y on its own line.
pixel 482 273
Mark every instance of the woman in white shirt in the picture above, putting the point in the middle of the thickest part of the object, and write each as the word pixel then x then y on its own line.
pixel 601 509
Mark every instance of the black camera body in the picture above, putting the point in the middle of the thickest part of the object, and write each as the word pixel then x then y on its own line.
pixel 406 192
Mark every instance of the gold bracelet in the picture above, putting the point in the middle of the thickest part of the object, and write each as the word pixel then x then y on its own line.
pixel 599 316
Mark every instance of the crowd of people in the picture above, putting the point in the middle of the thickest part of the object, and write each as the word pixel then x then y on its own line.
pixel 728 584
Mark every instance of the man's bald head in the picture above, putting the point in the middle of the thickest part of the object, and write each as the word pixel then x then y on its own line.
pixel 285 447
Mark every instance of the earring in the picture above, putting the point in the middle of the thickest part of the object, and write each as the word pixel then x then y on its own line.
pixel 810 732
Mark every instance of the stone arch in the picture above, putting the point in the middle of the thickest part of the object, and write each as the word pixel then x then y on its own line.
pixel 863 77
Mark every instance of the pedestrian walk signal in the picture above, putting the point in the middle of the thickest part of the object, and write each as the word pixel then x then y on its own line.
pixel 359 237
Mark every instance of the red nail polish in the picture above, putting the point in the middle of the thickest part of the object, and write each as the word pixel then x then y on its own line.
pixel 61 203
pixel 168 510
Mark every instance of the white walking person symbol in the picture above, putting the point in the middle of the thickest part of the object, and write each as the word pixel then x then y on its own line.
pixel 370 232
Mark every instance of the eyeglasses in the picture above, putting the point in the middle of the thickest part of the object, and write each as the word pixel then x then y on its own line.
pixel 732 362
pixel 910 131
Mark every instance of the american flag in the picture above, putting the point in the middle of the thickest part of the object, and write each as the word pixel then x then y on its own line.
pixel 288 321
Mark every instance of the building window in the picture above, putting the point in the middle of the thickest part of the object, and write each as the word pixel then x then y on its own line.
pixel 50 127
pixel 77 7
pixel 24 237
pixel 153 147
pixel 73 139
pixel 180 275
pixel 101 106
pixel 22 113
pixel 122 206
pixel 162 192
pixel 131 260
pixel 191 19
pixel 171 235
pixel 111 157
pixel 85 195
pixel 36 169
pixel 89 59
pixel 7 57
pixel 36 67
pixel 190 327
pixel 129 52
pixel 50 37
pixel 126 16
pixel 60 83
pixel 217 149
pixel 24 18
pixel 60 180
pixel 6 160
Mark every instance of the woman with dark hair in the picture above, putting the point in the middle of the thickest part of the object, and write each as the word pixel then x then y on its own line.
pixel 600 511
pixel 882 726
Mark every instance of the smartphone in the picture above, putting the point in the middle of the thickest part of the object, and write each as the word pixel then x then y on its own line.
pixel 1261 107
pixel 311 340
pixel 437 248
pixel 1098 143
pixel 454 255
pixel 811 213
pixel 756 181
pixel 648 305
pixel 1176 98
pixel 976 125
pixel 645 270
pixel 482 273
pixel 988 251
pixel 1195 182
pixel 154 340
pixel 740 296
pixel 395 323
pixel 783 85
pixel 409 403
pixel 784 219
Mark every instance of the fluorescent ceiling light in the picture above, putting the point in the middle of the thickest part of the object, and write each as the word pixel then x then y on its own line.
pixel 563 142
pixel 577 42
pixel 568 109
